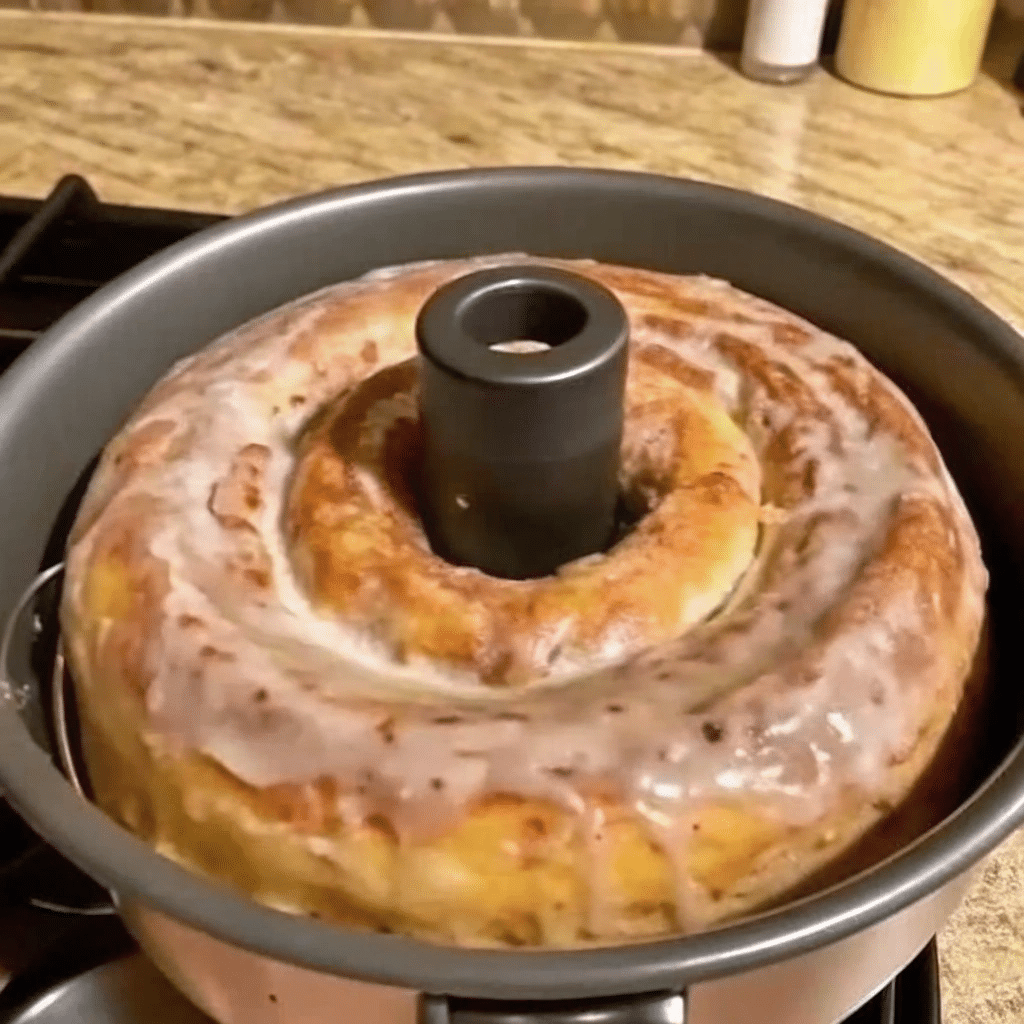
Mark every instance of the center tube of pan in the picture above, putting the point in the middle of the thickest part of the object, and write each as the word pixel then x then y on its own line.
pixel 522 376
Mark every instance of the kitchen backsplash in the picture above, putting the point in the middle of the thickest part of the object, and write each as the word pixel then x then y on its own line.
pixel 712 24
pixel 716 24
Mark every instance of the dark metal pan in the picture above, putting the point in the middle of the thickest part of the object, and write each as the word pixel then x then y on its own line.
pixel 962 366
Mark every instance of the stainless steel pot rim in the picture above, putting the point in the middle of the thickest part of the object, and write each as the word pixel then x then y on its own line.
pixel 130 868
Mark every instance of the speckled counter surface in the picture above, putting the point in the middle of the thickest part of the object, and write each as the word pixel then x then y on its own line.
pixel 226 119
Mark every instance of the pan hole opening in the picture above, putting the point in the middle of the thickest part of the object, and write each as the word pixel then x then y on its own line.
pixel 523 317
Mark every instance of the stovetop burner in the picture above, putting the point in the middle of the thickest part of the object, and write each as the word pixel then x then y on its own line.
pixel 64 957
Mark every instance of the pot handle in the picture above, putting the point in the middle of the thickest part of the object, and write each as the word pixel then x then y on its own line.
pixel 651 1008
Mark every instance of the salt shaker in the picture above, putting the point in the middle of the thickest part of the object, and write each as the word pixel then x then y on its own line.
pixel 782 39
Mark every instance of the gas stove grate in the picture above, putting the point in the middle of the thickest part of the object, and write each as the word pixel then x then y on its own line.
pixel 56 252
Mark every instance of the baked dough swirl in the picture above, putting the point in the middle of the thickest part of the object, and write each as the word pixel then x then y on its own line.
pixel 280 685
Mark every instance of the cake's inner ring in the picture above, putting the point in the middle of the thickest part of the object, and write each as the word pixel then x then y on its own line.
pixel 690 482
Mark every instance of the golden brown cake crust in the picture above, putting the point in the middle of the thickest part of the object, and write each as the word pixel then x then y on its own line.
pixel 361 552
pixel 281 686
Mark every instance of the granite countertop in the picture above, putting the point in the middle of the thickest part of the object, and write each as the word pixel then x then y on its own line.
pixel 226 118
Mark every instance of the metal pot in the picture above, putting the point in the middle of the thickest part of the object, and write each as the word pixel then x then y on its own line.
pixel 813 961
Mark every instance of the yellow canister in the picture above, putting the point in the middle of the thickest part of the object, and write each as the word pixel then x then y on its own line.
pixel 913 47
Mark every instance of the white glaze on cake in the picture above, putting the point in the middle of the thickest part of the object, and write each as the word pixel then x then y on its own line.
pixel 787 697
